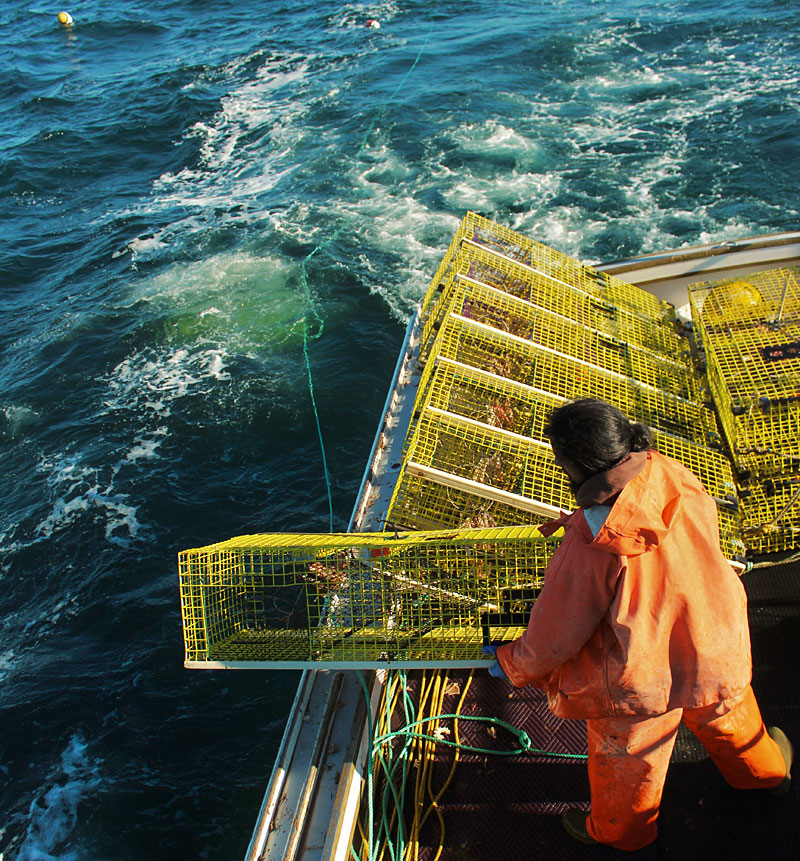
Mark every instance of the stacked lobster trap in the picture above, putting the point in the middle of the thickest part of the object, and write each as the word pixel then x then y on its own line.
pixel 510 329
pixel 749 330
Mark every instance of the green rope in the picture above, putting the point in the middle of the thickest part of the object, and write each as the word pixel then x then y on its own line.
pixel 369 768
pixel 525 745
pixel 311 305
pixel 397 89
pixel 316 418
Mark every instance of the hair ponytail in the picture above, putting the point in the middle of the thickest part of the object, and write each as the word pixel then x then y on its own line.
pixel 640 437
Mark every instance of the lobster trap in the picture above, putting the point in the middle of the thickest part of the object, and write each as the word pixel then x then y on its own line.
pixel 750 333
pixel 517 412
pixel 630 321
pixel 551 331
pixel 749 330
pixel 359 599
pixel 468 476
pixel 676 409
pixel 468 455
pixel 770 513
pixel 431 499
pixel 480 234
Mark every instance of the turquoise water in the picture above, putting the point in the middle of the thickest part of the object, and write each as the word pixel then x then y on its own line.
pixel 166 170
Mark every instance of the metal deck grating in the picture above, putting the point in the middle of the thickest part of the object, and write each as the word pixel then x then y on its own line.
pixel 509 807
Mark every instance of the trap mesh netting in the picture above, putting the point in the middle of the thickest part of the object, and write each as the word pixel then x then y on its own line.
pixel 355 598
pixel 749 329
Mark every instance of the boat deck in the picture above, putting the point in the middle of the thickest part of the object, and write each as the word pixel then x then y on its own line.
pixel 509 807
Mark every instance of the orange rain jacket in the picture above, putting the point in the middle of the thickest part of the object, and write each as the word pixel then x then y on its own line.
pixel 643 617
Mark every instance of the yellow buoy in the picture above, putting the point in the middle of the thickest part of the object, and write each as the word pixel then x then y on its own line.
pixel 65 19
pixel 745 294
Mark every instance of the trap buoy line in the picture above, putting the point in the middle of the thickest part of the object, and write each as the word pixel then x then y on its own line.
pixel 312 311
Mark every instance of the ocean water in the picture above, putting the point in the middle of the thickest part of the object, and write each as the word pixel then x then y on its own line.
pixel 182 184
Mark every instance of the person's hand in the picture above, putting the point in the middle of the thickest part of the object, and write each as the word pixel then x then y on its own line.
pixel 494 669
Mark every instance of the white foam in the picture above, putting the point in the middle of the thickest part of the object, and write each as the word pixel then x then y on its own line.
pixel 245 150
pixel 53 814
pixel 357 14
pixel 239 300
pixel 494 140
pixel 77 491
pixel 140 248
pixel 151 381
pixel 6 663
pixel 625 80
pixel 17 418
pixel 146 448
pixel 393 222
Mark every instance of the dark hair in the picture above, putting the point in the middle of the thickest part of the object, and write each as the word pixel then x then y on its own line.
pixel 594 435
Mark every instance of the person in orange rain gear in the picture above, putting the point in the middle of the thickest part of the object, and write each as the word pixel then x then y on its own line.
pixel 641 623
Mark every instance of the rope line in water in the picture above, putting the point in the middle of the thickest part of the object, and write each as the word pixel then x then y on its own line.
pixel 316 419
pixel 312 311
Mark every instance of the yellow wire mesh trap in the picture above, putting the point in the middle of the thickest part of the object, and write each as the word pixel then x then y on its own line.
pixel 770 520
pixel 501 409
pixel 428 500
pixel 361 599
pixel 512 330
pixel 750 332
pixel 630 321
pixel 676 409
pixel 485 458
pixel 518 317
pixel 488 236
pixel 749 329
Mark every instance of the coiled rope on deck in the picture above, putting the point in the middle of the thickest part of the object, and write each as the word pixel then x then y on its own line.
pixel 391 835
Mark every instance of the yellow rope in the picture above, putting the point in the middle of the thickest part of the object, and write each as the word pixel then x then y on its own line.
pixel 419 781
pixel 435 798
pixel 421 756
pixel 449 779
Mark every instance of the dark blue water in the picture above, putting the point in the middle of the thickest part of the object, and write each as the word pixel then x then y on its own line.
pixel 165 169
